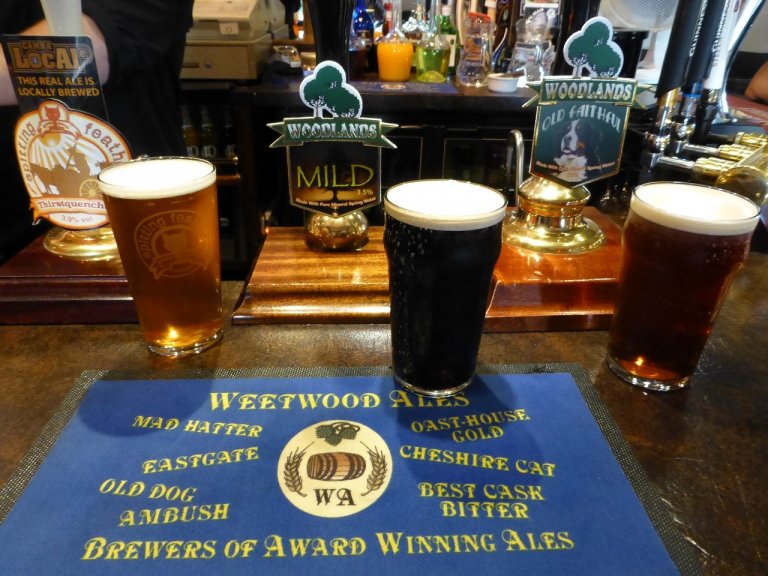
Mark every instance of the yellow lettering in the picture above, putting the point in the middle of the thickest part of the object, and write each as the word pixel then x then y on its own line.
pixel 274 547
pixel 535 468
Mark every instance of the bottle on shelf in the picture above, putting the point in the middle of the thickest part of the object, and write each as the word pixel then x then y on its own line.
pixel 387 24
pixel 533 53
pixel 501 55
pixel 394 51
pixel 358 56
pixel 362 23
pixel 190 132
pixel 415 27
pixel 229 135
pixel 449 34
pixel 361 57
pixel 507 16
pixel 475 61
pixel 432 54
pixel 209 139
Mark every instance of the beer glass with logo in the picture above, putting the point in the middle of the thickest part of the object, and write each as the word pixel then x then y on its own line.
pixel 165 219
pixel 682 246
pixel 442 239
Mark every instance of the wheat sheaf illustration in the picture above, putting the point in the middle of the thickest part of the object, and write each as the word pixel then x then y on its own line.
pixel 378 473
pixel 291 473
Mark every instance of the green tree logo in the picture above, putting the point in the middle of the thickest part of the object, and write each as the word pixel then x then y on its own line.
pixel 327 89
pixel 593 48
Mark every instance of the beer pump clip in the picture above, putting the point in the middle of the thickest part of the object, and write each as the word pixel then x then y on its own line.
pixel 578 138
pixel 334 161
pixel 62 140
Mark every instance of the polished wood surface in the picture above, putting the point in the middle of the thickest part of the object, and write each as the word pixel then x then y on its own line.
pixel 704 448
pixel 39 287
pixel 530 291
pixel 534 291
pixel 291 284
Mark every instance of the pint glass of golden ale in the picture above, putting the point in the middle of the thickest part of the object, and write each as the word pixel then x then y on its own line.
pixel 682 246
pixel 165 218
pixel 442 239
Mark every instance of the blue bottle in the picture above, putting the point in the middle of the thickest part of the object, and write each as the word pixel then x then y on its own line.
pixel 362 23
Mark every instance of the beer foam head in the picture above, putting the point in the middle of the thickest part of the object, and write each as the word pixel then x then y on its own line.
pixel 156 177
pixel 445 204
pixel 695 208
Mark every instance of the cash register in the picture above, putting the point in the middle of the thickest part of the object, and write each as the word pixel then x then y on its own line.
pixel 232 39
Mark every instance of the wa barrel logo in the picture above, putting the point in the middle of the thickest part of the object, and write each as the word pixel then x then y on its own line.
pixel 334 469
pixel 60 153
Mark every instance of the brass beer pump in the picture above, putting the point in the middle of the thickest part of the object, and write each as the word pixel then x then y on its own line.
pixel 740 165
pixel 548 216
pixel 744 173
pixel 92 244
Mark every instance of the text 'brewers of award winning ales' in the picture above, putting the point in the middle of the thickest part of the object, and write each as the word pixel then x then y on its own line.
pixel 165 219
pixel 682 246
pixel 442 239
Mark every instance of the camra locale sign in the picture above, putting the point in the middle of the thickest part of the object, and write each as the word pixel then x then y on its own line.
pixel 334 157
pixel 62 137
pixel 581 121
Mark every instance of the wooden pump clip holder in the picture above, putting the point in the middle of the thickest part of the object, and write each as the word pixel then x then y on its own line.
pixel 531 290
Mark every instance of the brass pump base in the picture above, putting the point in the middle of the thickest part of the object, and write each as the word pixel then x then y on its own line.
pixel 95 244
pixel 550 218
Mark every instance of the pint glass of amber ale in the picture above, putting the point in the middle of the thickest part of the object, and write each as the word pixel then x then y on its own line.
pixel 442 239
pixel 165 219
pixel 682 246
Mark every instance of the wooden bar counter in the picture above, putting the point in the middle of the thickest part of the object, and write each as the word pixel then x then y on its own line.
pixel 705 449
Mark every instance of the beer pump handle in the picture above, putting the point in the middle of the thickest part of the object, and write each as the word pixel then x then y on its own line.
pixel 684 122
pixel 672 76
pixel 704 170
pixel 682 45
pixel 513 166
pixel 710 105
pixel 711 30
pixel 732 152
pixel 64 17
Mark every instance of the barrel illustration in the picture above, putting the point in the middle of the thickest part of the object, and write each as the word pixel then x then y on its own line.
pixel 335 466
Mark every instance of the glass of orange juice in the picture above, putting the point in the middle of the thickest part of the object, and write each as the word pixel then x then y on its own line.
pixel 394 51
pixel 395 60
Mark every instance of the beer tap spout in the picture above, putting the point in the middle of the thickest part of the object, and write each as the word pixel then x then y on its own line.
pixel 657 138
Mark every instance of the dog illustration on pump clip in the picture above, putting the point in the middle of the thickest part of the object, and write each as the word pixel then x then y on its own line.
pixel 578 150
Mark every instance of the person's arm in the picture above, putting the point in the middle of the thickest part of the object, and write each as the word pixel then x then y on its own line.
pixel 7 95
pixel 758 86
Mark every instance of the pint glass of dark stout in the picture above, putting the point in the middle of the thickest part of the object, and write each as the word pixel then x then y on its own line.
pixel 682 246
pixel 442 239
pixel 165 219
